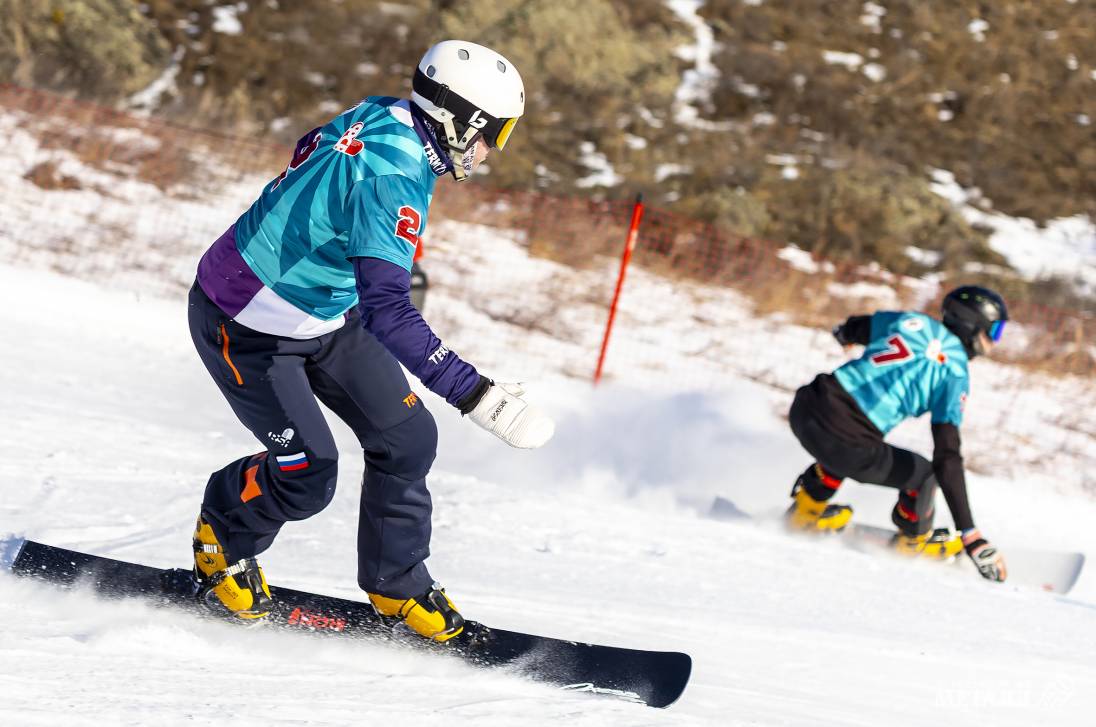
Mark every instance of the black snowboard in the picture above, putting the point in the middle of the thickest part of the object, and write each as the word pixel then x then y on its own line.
pixel 655 678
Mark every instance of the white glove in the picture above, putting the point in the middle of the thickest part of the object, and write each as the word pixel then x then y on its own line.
pixel 986 557
pixel 503 412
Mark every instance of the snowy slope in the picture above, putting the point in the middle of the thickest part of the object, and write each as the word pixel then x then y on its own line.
pixel 671 335
pixel 112 427
pixel 129 234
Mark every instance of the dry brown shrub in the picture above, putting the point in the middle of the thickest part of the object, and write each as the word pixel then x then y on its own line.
pixel 46 175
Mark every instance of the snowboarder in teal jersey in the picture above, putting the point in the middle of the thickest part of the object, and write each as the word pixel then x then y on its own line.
pixel 912 364
pixel 305 299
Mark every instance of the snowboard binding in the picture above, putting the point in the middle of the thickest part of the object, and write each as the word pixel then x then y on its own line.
pixel 940 544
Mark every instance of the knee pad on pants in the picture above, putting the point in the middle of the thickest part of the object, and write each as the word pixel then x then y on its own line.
pixel 304 492
pixel 412 446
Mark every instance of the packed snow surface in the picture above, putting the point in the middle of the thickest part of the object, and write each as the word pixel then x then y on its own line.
pixel 112 426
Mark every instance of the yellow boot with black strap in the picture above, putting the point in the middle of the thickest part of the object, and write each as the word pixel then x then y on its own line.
pixel 940 544
pixel 912 515
pixel 239 589
pixel 431 615
pixel 810 514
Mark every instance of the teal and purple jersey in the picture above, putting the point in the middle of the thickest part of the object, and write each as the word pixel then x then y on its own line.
pixel 338 228
pixel 912 365
pixel 359 186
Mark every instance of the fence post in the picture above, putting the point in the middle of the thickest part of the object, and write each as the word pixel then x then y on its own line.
pixel 629 245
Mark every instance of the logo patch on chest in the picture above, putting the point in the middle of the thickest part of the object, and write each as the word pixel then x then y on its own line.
pixel 348 143
pixel 935 351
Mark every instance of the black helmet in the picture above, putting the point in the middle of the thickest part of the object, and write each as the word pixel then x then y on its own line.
pixel 971 310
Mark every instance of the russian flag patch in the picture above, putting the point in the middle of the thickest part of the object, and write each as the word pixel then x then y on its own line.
pixel 290 462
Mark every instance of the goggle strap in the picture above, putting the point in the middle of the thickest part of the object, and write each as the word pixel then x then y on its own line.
pixel 461 109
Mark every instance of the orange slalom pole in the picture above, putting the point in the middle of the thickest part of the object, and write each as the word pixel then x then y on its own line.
pixel 629 246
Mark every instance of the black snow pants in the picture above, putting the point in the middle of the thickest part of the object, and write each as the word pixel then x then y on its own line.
pixel 272 384
pixel 834 430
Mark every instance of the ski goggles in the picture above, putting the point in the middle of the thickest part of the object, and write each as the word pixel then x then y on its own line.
pixel 996 330
pixel 496 131
pixel 504 133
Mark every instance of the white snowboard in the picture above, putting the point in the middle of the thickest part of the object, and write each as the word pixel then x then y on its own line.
pixel 1046 570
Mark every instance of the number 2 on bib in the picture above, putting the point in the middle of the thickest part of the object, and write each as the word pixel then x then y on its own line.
pixel 408 225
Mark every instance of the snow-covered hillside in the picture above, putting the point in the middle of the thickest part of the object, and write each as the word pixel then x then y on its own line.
pixel 113 427
pixel 671 336
pixel 1064 248
pixel 603 535
pixel 523 317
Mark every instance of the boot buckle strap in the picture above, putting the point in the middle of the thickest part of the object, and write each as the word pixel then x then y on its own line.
pixel 235 569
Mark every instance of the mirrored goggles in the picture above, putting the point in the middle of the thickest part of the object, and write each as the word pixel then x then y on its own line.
pixel 996 330
pixel 504 133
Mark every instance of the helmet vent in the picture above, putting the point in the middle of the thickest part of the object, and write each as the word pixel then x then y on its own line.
pixel 501 66
pixel 462 54
pixel 430 71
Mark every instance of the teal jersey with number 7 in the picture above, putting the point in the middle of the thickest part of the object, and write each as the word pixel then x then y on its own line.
pixel 912 365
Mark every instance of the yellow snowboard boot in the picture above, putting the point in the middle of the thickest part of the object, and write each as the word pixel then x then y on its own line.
pixel 811 515
pixel 940 544
pixel 240 588
pixel 431 615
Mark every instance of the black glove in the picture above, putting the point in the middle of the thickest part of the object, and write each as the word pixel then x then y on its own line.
pixel 986 558
pixel 856 331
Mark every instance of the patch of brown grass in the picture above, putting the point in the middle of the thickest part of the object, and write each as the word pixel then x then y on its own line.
pixel 152 150
pixel 578 232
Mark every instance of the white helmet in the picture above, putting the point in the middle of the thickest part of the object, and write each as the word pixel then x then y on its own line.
pixel 469 90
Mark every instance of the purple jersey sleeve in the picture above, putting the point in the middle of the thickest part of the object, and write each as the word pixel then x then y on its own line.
pixel 384 300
